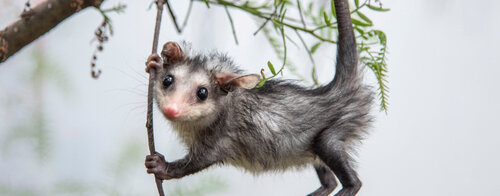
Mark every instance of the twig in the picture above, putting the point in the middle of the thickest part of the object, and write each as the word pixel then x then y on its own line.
pixel 280 71
pixel 42 18
pixel 267 20
pixel 188 13
pixel 152 76
pixel 263 25
pixel 314 74
pixel 232 25
pixel 301 15
pixel 261 15
pixel 172 15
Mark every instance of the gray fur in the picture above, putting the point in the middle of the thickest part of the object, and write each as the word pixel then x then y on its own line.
pixel 279 126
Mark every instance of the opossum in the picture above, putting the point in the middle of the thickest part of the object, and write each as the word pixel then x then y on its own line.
pixel 223 118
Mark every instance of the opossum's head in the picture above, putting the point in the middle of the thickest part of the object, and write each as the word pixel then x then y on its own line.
pixel 192 88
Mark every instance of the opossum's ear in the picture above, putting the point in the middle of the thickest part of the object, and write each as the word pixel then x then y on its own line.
pixel 172 53
pixel 230 81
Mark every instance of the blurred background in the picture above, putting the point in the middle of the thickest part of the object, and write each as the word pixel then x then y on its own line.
pixel 64 133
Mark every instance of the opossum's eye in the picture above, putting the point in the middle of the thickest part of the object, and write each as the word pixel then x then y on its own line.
pixel 202 93
pixel 168 81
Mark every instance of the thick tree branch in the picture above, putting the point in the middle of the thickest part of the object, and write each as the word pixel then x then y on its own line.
pixel 37 21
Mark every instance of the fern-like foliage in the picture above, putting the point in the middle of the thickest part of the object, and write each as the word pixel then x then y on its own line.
pixel 317 20
pixel 375 59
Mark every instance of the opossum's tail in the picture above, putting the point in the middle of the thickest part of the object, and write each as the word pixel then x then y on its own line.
pixel 346 74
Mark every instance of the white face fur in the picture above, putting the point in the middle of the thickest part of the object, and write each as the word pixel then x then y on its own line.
pixel 188 89
pixel 186 96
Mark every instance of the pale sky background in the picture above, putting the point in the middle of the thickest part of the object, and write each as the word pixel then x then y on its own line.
pixel 440 136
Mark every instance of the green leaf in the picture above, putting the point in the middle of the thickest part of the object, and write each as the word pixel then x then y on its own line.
pixel 110 27
pixel 120 8
pixel 365 18
pixel 276 23
pixel 381 36
pixel 359 23
pixel 314 76
pixel 271 67
pixel 334 13
pixel 310 7
pixel 321 10
pixel 327 20
pixel 315 47
pixel 283 16
pixel 282 10
pixel 356 2
pixel 378 8
pixel 262 82
pixel 359 30
pixel 206 3
pixel 288 3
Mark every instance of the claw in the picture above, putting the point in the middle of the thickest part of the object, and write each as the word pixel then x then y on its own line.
pixel 160 155
pixel 156 164
pixel 154 62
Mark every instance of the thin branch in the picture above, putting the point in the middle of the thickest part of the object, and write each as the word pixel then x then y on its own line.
pixel 188 13
pixel 291 40
pixel 267 20
pixel 320 28
pixel 172 15
pixel 232 25
pixel 325 26
pixel 42 18
pixel 301 15
pixel 152 76
pixel 361 6
pixel 277 47
pixel 282 30
pixel 314 76
pixel 284 52
pixel 261 15
pixel 263 25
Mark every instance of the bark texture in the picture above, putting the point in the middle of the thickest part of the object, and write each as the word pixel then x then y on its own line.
pixel 34 23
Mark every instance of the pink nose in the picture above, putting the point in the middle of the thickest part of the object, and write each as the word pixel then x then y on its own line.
pixel 171 111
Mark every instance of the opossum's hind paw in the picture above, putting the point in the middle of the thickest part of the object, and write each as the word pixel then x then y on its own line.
pixel 348 191
pixel 327 179
pixel 321 191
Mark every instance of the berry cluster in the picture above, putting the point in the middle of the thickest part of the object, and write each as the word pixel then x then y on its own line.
pixel 101 37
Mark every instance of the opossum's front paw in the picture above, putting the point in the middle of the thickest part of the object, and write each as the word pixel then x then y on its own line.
pixel 157 165
pixel 154 62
